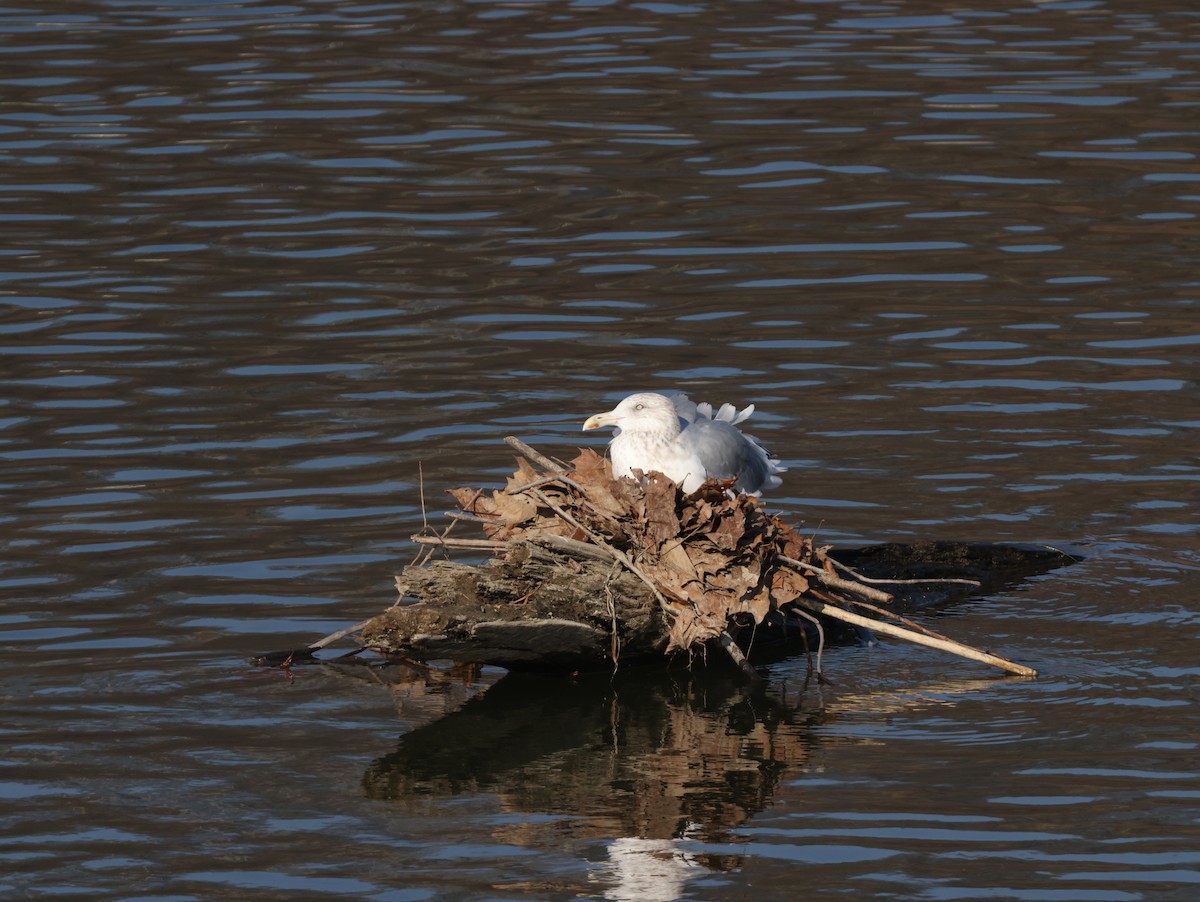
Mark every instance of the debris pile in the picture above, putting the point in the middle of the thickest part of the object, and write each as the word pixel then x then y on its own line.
pixel 584 568
pixel 711 557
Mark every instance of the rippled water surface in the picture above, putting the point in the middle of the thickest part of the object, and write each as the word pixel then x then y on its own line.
pixel 267 266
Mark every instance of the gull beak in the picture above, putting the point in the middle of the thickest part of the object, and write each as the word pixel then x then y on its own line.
pixel 596 420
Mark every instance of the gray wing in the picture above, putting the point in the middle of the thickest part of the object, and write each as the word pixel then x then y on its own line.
pixel 726 451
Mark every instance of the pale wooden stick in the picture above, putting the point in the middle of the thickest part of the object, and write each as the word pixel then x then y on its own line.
pixel 421 490
pixel 899 632
pixel 570 547
pixel 288 657
pixel 898 618
pixel 458 543
pixel 467 518
pixel 333 637
pixel 820 640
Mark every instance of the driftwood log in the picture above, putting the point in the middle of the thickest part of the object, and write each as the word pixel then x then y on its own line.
pixel 537 607
pixel 588 572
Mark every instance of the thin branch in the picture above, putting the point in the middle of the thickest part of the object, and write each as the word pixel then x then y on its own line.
pixel 292 656
pixel 734 651
pixel 467 517
pixel 333 637
pixel 898 618
pixel 421 494
pixel 553 477
pixel 458 543
pixel 836 582
pixel 532 454
pixel 820 639
pixel 425 555
pixel 570 547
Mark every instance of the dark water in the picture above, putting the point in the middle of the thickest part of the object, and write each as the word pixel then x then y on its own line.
pixel 262 261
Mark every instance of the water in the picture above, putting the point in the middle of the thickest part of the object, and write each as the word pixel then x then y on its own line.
pixel 268 267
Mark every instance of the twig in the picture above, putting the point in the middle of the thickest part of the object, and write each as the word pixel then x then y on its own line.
pixel 458 543
pixel 532 454
pixel 899 632
pixel 288 657
pixel 467 517
pixel 836 582
pixel 734 652
pixel 424 555
pixel 614 640
pixel 421 494
pixel 553 477
pixel 443 542
pixel 570 547
pixel 333 637
pixel 820 641
pixel 898 618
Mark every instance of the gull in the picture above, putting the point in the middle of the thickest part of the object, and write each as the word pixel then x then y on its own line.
pixel 686 442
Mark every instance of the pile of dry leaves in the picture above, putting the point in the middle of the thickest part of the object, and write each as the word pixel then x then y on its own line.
pixel 711 556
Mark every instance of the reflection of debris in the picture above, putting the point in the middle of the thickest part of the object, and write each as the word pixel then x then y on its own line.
pixel 672 763
pixel 652 754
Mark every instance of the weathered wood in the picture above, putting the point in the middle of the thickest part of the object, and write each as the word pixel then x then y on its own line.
pixel 532 610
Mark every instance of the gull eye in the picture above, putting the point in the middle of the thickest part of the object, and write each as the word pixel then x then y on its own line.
pixel 639 407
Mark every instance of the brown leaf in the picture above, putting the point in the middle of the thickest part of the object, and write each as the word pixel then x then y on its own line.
pixel 673 556
pixel 473 501
pixel 591 467
pixel 730 530
pixel 662 522
pixel 787 585
pixel 594 475
pixel 757 603
pixel 694 628
pixel 515 509
pixel 524 474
